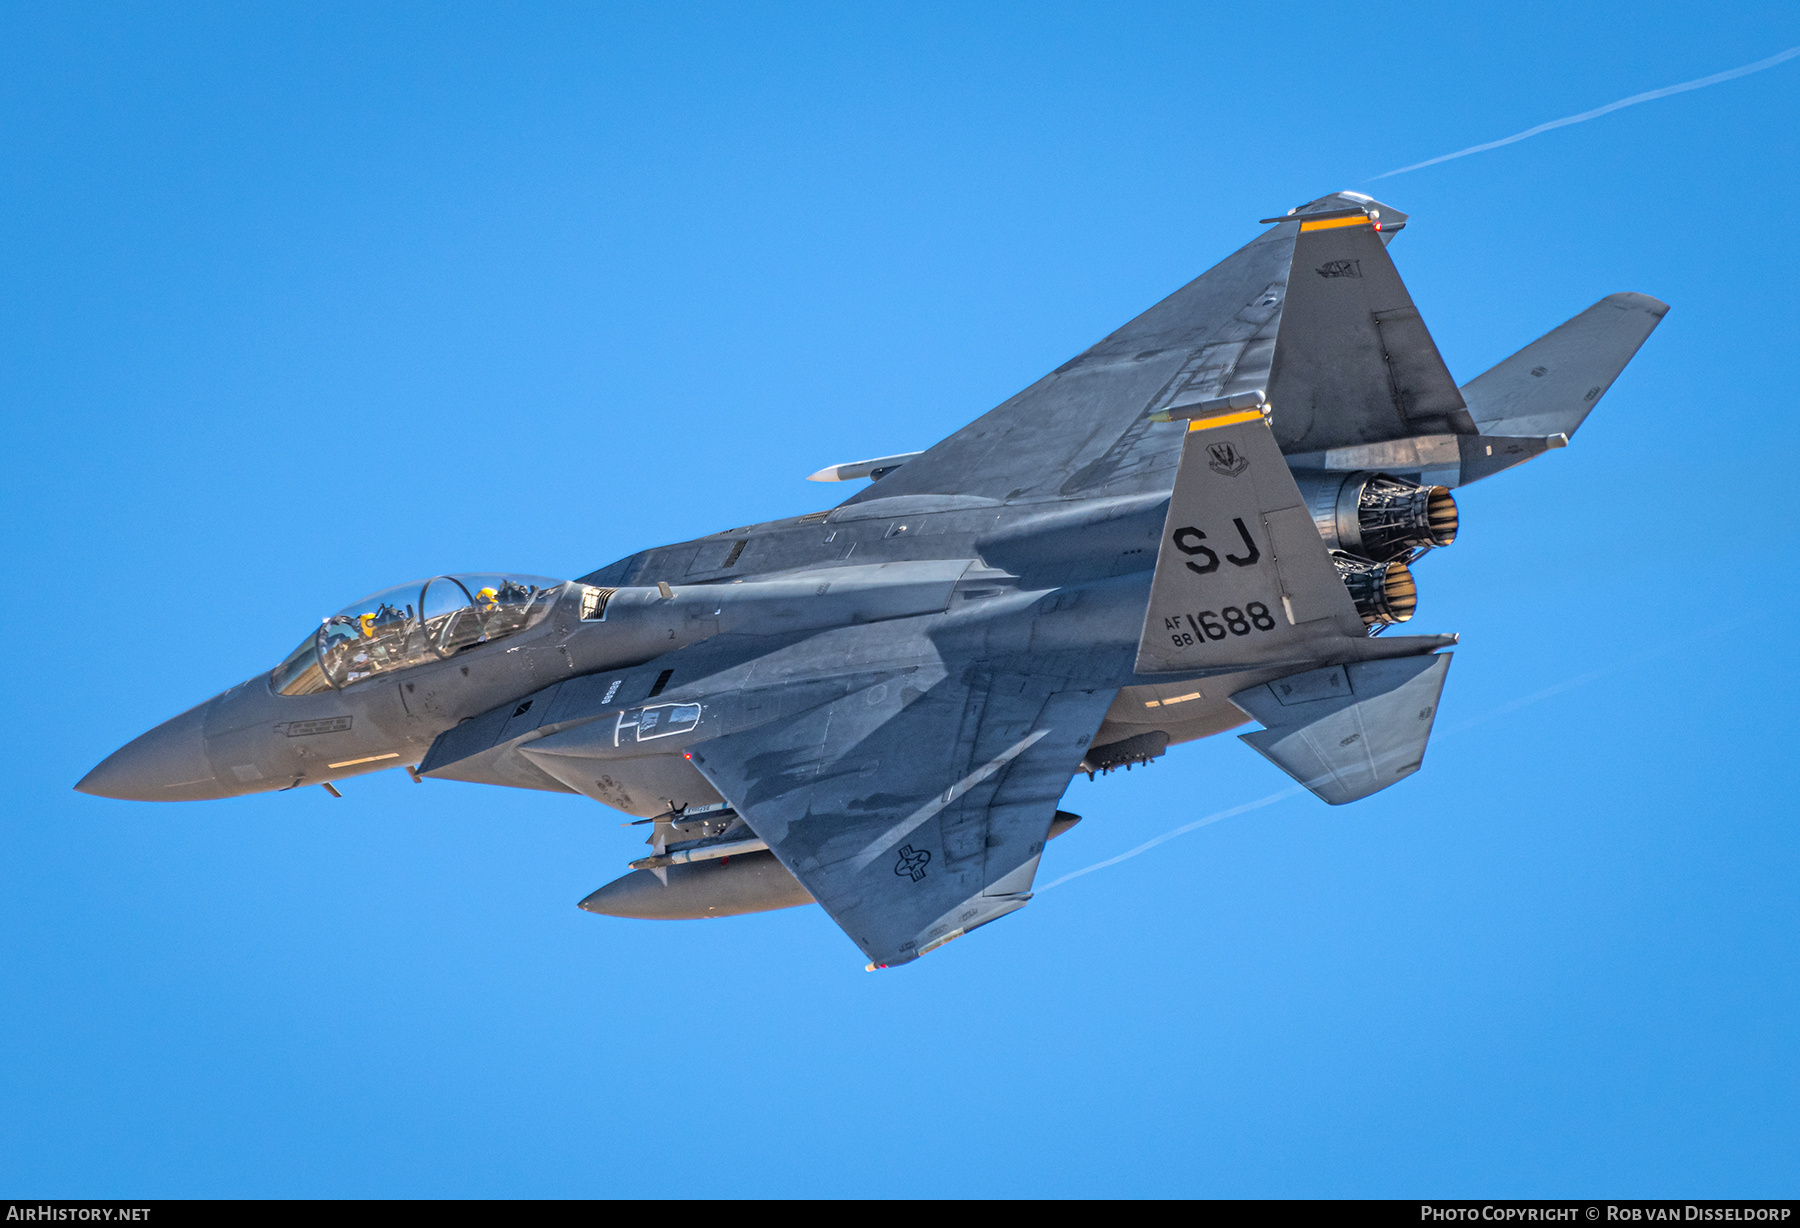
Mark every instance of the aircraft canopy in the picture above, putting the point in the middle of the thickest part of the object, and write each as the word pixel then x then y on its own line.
pixel 413 624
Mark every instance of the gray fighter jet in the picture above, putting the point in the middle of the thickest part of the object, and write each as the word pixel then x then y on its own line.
pixel 1203 519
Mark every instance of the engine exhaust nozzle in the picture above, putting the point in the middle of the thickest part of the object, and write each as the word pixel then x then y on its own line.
pixel 1394 517
pixel 1383 592
pixel 1376 516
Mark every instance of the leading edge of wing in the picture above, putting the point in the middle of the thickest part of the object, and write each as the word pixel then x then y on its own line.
pixel 1082 430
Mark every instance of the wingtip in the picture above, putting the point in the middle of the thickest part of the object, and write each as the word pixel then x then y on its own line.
pixel 1631 300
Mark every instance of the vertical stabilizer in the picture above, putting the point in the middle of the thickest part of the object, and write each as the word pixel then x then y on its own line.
pixel 1353 362
pixel 1242 575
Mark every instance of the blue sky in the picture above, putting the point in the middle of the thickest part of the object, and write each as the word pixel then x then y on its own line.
pixel 302 302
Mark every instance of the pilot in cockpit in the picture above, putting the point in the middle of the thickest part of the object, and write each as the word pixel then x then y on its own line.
pixel 387 628
pixel 508 594
pixel 384 622
pixel 393 630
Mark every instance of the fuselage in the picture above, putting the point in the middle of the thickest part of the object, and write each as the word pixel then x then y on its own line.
pixel 1072 575
pixel 1035 578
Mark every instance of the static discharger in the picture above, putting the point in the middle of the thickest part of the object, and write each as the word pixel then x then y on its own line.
pixel 1337 219
pixel 1216 411
pixel 1351 216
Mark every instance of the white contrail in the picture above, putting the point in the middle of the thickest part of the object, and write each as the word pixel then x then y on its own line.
pixel 1183 830
pixel 1652 95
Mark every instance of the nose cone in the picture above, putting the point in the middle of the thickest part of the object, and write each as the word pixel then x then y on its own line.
pixel 168 764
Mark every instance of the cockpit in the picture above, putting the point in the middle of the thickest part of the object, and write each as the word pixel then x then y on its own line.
pixel 413 624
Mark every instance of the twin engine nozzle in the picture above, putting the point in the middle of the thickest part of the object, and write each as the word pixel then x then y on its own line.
pixel 1374 525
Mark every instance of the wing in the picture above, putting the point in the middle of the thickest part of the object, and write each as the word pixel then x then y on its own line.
pixel 1080 431
pixel 911 816
pixel 1312 313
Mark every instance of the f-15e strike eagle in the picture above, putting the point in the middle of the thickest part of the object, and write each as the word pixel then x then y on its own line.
pixel 1201 520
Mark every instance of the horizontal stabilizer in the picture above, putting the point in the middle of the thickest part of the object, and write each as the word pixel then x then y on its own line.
pixel 1548 387
pixel 1349 730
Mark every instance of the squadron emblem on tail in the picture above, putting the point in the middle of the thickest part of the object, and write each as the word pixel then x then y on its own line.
pixel 1227 461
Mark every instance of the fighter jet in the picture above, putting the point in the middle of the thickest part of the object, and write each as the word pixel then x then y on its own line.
pixel 1203 520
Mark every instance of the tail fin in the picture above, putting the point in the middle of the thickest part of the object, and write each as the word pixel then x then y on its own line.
pixel 1242 575
pixel 1549 387
pixel 1353 362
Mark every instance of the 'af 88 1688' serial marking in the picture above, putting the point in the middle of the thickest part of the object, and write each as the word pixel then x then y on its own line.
pixel 1217 624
